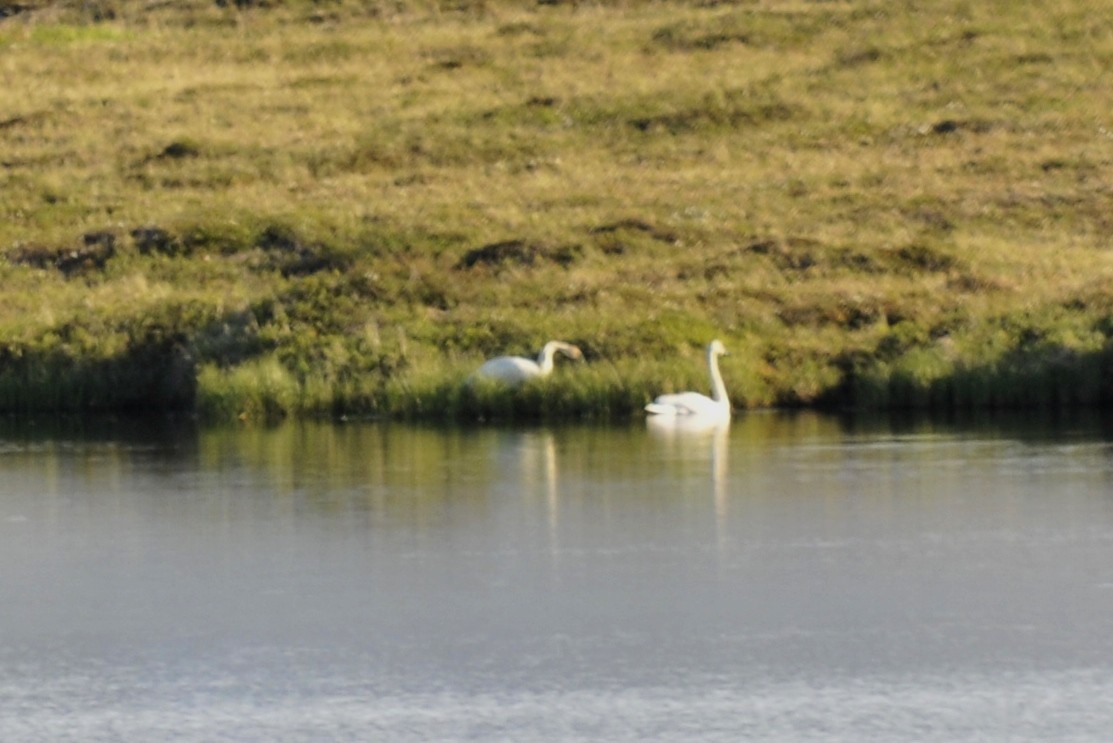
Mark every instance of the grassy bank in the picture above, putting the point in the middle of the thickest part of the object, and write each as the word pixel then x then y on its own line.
pixel 342 208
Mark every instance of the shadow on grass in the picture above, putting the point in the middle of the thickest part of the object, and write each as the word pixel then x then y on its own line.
pixel 150 374
pixel 1045 377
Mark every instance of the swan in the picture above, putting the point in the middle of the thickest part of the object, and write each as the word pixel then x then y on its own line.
pixel 515 370
pixel 684 404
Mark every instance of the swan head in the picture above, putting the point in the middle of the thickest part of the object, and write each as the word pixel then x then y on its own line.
pixel 566 349
pixel 716 348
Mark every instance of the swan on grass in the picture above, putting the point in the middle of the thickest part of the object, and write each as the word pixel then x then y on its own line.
pixel 685 405
pixel 515 370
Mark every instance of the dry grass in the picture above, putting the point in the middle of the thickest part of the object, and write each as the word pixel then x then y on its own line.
pixel 868 200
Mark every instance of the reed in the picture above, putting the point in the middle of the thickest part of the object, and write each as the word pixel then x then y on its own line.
pixel 295 208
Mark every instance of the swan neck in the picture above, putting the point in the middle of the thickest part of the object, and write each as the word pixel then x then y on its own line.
pixel 718 389
pixel 545 359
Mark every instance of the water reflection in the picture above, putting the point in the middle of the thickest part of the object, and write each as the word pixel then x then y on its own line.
pixel 422 475
pixel 316 581
pixel 696 438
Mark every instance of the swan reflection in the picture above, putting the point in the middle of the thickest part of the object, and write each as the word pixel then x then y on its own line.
pixel 532 456
pixel 699 438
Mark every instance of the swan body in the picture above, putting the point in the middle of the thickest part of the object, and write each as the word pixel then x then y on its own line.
pixel 693 404
pixel 515 370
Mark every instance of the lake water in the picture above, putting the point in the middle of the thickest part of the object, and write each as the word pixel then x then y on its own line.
pixel 793 578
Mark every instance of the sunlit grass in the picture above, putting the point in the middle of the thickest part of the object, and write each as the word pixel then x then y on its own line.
pixel 342 209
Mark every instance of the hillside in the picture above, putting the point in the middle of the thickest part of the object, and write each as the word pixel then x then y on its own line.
pixel 257 209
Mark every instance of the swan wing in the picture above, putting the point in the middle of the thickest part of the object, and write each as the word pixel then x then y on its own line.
pixel 685 403
pixel 509 369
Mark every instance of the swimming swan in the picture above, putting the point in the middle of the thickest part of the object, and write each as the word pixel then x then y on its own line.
pixel 514 370
pixel 693 403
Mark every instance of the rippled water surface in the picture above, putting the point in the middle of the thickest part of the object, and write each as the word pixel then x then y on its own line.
pixel 791 578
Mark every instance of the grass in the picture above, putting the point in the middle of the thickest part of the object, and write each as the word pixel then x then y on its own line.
pixel 255 210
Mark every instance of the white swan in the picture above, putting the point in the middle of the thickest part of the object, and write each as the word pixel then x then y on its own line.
pixel 514 370
pixel 684 404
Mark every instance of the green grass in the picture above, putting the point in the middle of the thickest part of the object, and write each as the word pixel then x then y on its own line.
pixel 294 208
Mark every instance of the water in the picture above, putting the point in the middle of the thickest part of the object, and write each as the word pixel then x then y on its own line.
pixel 795 578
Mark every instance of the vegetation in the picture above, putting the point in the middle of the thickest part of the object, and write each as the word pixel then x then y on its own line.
pixel 257 208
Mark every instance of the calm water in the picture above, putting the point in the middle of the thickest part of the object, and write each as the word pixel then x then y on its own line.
pixel 793 578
